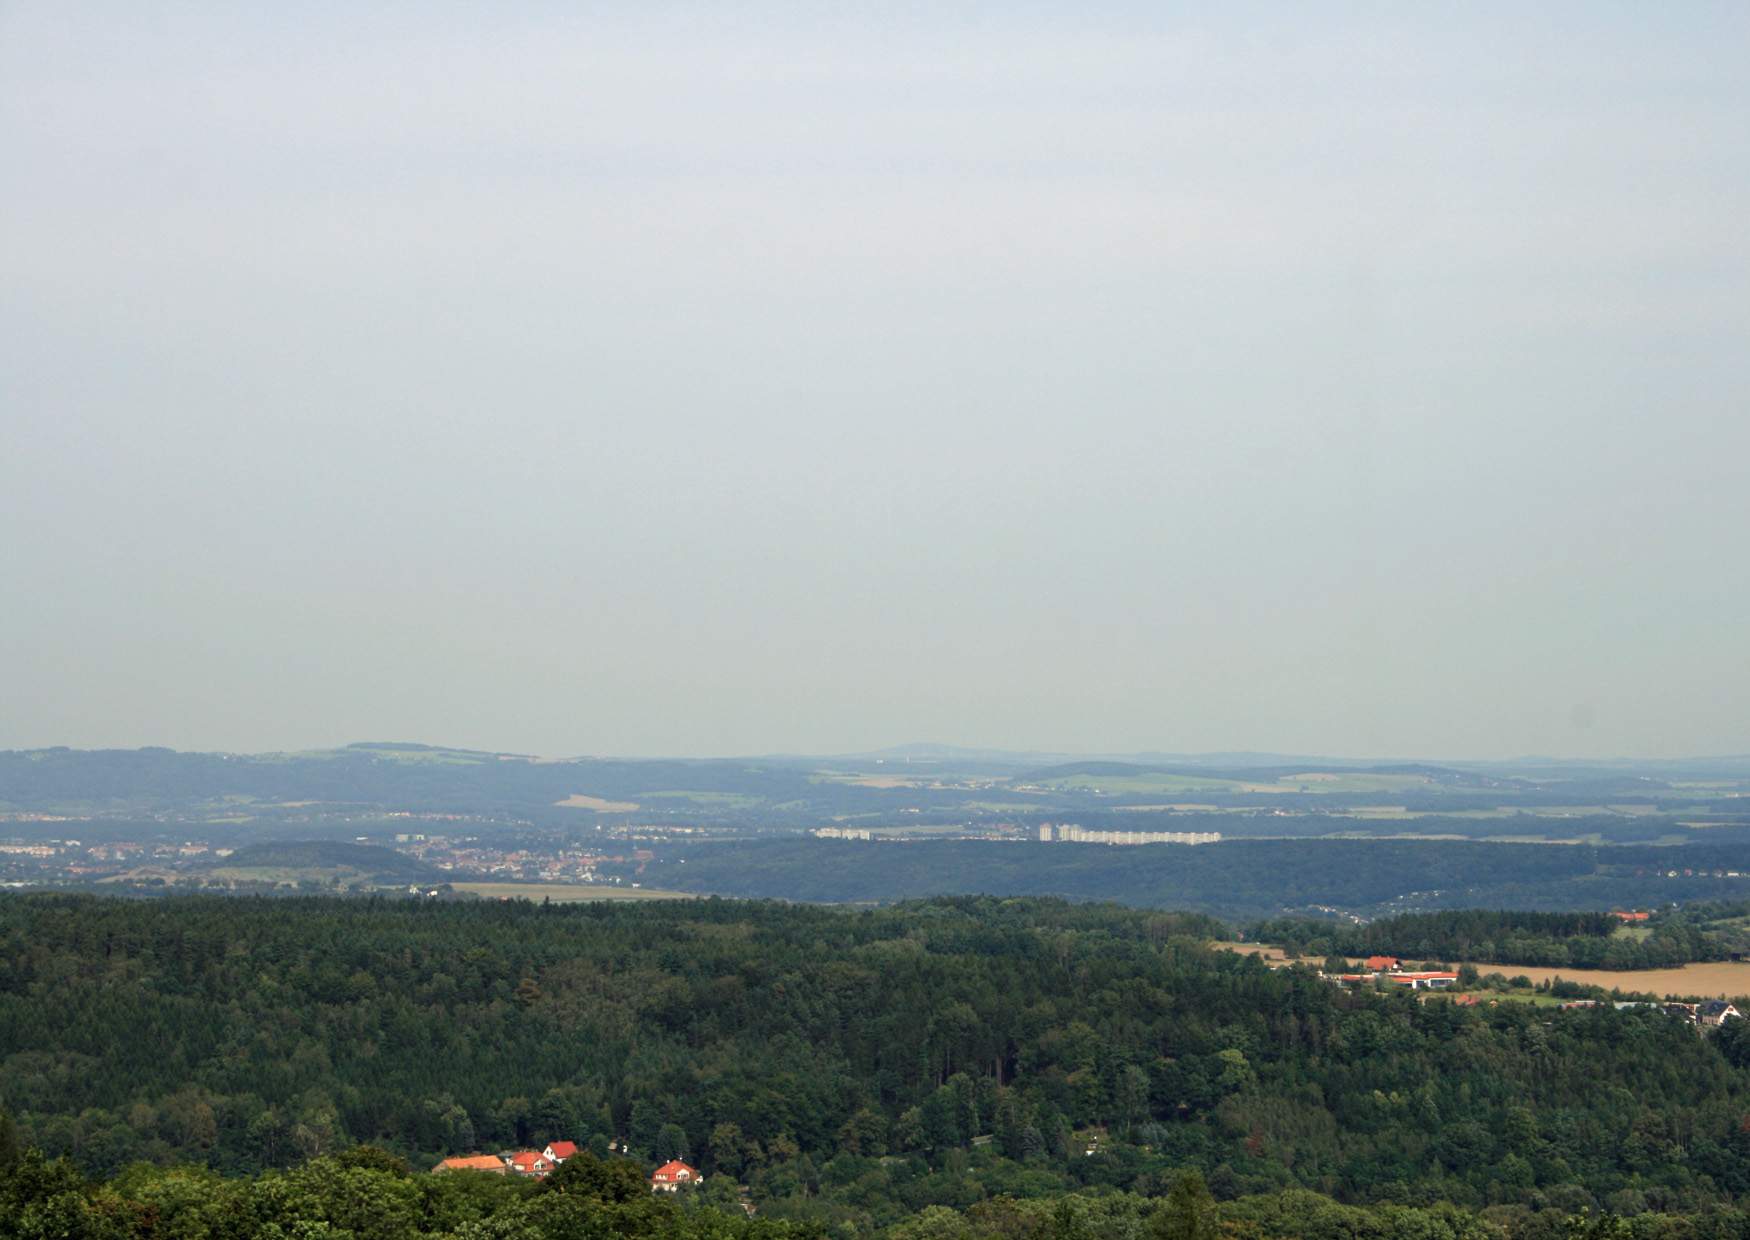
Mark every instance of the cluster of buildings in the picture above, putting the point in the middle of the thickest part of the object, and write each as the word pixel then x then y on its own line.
pixel 1708 1014
pixel 536 1164
pixel 671 1177
pixel 474 856
pixel 55 860
pixel 1388 969
pixel 1068 833
pixel 1071 834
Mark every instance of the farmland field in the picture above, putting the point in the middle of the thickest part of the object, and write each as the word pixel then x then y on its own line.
pixel 1716 979
pixel 561 893
pixel 1271 955
pixel 580 800
pixel 1152 782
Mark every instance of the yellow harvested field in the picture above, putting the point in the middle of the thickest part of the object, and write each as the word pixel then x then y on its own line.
pixel 578 800
pixel 1272 954
pixel 561 893
pixel 1715 980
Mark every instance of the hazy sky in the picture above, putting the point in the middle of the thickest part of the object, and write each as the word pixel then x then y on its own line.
pixel 1345 378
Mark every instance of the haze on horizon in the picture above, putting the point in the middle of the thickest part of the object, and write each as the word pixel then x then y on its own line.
pixel 671 379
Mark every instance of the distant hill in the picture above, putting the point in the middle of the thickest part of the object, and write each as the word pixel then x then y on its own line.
pixel 330 792
pixel 1233 879
pixel 325 861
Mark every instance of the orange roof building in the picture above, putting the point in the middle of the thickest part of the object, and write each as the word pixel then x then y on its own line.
pixel 1376 963
pixel 474 1162
pixel 671 1175
pixel 1432 980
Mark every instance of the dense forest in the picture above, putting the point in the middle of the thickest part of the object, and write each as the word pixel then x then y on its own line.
pixel 848 1068
pixel 1239 879
pixel 1580 940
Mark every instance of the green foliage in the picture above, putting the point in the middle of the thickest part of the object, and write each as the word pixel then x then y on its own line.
pixel 613 1181
pixel 1031 1065
pixel 335 1200
pixel 1189 1212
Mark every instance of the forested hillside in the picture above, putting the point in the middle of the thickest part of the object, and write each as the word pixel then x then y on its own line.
pixel 1240 879
pixel 847 1067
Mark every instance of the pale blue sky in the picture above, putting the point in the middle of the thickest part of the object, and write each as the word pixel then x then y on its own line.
pixel 1362 379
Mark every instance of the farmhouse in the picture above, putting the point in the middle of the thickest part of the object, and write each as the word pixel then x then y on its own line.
pixel 473 1162
pixel 1379 964
pixel 670 1176
pixel 530 1163
pixel 1716 1012
pixel 558 1151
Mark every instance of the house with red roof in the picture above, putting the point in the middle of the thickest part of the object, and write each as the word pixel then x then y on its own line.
pixel 558 1151
pixel 531 1163
pixel 473 1162
pixel 1378 964
pixel 669 1177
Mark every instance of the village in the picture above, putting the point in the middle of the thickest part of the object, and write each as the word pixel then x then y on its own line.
pixel 671 1177
pixel 1388 970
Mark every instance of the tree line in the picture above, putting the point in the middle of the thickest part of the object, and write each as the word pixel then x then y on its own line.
pixel 1594 940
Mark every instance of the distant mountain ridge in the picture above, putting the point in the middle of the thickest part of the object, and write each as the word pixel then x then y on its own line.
pixel 935 785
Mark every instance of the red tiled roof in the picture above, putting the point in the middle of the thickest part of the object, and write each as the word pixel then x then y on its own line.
pixel 675 1170
pixel 1382 962
pixel 476 1162
pixel 562 1149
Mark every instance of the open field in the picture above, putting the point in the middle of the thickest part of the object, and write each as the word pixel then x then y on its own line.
pixel 716 800
pixel 878 781
pixel 578 800
pixel 1272 955
pixel 1147 782
pixel 561 893
pixel 284 874
pixel 1716 979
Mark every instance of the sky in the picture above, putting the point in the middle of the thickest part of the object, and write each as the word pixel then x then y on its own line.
pixel 1352 379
